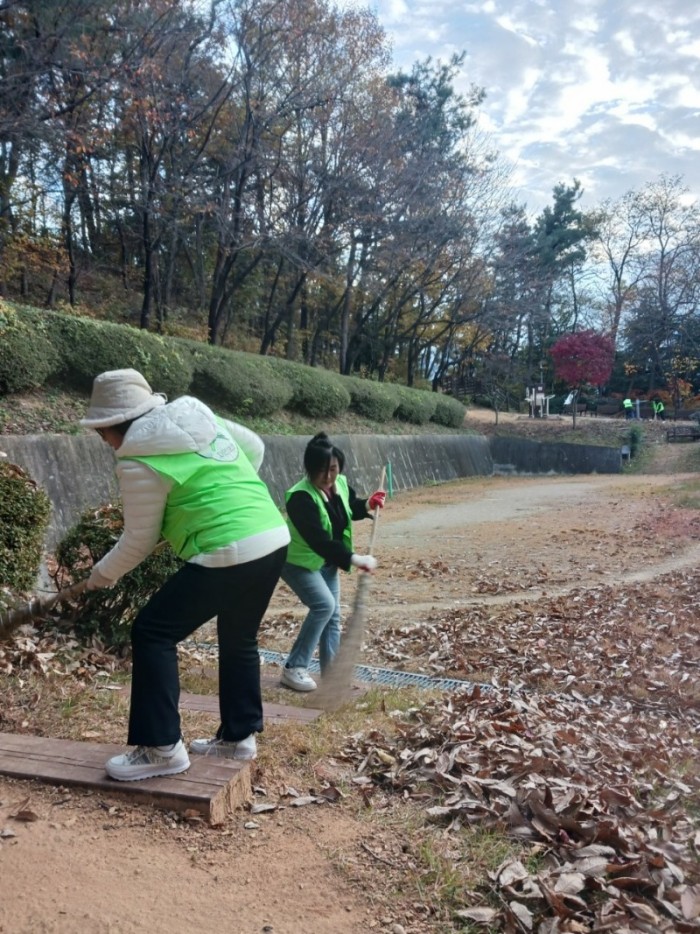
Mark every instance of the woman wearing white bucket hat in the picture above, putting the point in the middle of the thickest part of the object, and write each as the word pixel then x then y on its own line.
pixel 189 477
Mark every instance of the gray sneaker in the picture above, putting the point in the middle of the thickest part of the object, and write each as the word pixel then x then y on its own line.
pixel 148 761
pixel 298 679
pixel 244 749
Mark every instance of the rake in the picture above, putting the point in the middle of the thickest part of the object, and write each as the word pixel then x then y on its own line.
pixel 336 684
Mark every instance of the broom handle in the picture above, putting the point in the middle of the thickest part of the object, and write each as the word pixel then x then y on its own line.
pixel 375 517
pixel 39 605
pixel 66 594
pixel 11 619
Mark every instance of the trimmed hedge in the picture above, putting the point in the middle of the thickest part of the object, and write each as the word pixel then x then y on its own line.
pixel 375 401
pixel 449 412
pixel 315 392
pixel 39 347
pixel 416 406
pixel 108 613
pixel 241 383
pixel 86 348
pixel 24 517
pixel 27 356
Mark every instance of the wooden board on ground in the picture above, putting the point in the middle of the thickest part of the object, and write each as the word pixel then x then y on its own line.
pixel 209 703
pixel 270 678
pixel 210 787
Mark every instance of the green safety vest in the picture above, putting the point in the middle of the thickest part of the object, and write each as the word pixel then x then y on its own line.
pixel 627 403
pixel 299 552
pixel 216 499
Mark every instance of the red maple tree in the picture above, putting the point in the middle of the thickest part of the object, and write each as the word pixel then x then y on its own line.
pixel 583 358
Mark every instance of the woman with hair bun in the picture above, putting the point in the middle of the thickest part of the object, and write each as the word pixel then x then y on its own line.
pixel 320 510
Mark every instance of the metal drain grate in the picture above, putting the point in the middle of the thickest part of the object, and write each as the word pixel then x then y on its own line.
pixel 385 676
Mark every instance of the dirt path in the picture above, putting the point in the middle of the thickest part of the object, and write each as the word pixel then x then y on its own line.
pixel 89 865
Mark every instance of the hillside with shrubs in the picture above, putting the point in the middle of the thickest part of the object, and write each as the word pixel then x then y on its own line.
pixel 48 361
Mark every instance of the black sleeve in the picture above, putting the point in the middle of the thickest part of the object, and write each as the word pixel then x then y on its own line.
pixel 303 513
pixel 358 507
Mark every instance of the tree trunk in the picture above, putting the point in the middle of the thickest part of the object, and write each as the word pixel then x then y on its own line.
pixel 345 312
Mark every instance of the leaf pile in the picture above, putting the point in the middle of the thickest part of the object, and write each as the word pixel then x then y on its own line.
pixel 640 642
pixel 54 652
pixel 587 788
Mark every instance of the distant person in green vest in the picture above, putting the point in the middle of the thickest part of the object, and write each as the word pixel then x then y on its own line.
pixel 189 477
pixel 628 406
pixel 321 508
pixel 658 409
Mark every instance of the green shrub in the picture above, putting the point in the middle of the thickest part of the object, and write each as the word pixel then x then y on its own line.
pixel 27 357
pixel 108 613
pixel 241 383
pixel 316 392
pixel 24 517
pixel 416 405
pixel 449 412
pixel 635 439
pixel 484 402
pixel 556 405
pixel 86 348
pixel 376 401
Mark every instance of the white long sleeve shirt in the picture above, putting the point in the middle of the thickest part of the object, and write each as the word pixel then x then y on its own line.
pixel 183 425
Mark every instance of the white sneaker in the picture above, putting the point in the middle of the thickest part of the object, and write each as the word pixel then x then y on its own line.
pixel 244 749
pixel 298 679
pixel 148 761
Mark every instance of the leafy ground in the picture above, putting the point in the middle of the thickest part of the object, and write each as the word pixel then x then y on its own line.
pixel 558 791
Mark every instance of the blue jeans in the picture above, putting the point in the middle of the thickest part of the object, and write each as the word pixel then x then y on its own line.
pixel 320 592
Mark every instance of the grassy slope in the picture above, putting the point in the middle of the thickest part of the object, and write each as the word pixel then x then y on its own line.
pixel 58 412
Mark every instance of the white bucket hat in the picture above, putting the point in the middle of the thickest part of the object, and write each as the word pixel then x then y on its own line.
pixel 119 396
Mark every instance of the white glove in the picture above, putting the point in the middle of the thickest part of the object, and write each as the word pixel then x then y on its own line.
pixel 97 581
pixel 364 562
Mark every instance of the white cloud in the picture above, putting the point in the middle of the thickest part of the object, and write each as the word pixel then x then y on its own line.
pixel 396 11
pixel 605 92
pixel 691 48
pixel 626 42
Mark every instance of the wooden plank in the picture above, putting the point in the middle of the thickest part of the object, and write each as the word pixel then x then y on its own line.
pixel 209 703
pixel 270 679
pixel 212 787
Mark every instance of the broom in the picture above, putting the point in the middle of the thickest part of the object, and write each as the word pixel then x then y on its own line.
pixel 336 683
pixel 36 608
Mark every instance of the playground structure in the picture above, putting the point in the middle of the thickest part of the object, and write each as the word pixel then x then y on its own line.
pixel 538 401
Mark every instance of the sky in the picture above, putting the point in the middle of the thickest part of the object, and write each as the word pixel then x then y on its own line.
pixel 605 91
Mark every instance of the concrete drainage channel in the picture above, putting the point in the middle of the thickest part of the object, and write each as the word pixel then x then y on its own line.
pixel 384 676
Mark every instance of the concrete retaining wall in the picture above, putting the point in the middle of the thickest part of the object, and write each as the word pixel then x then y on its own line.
pixel 522 456
pixel 77 471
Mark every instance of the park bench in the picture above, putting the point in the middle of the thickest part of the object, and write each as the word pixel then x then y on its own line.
pixel 607 408
pixel 683 433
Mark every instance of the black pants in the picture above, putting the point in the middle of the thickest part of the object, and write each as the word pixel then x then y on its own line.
pixel 238 596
